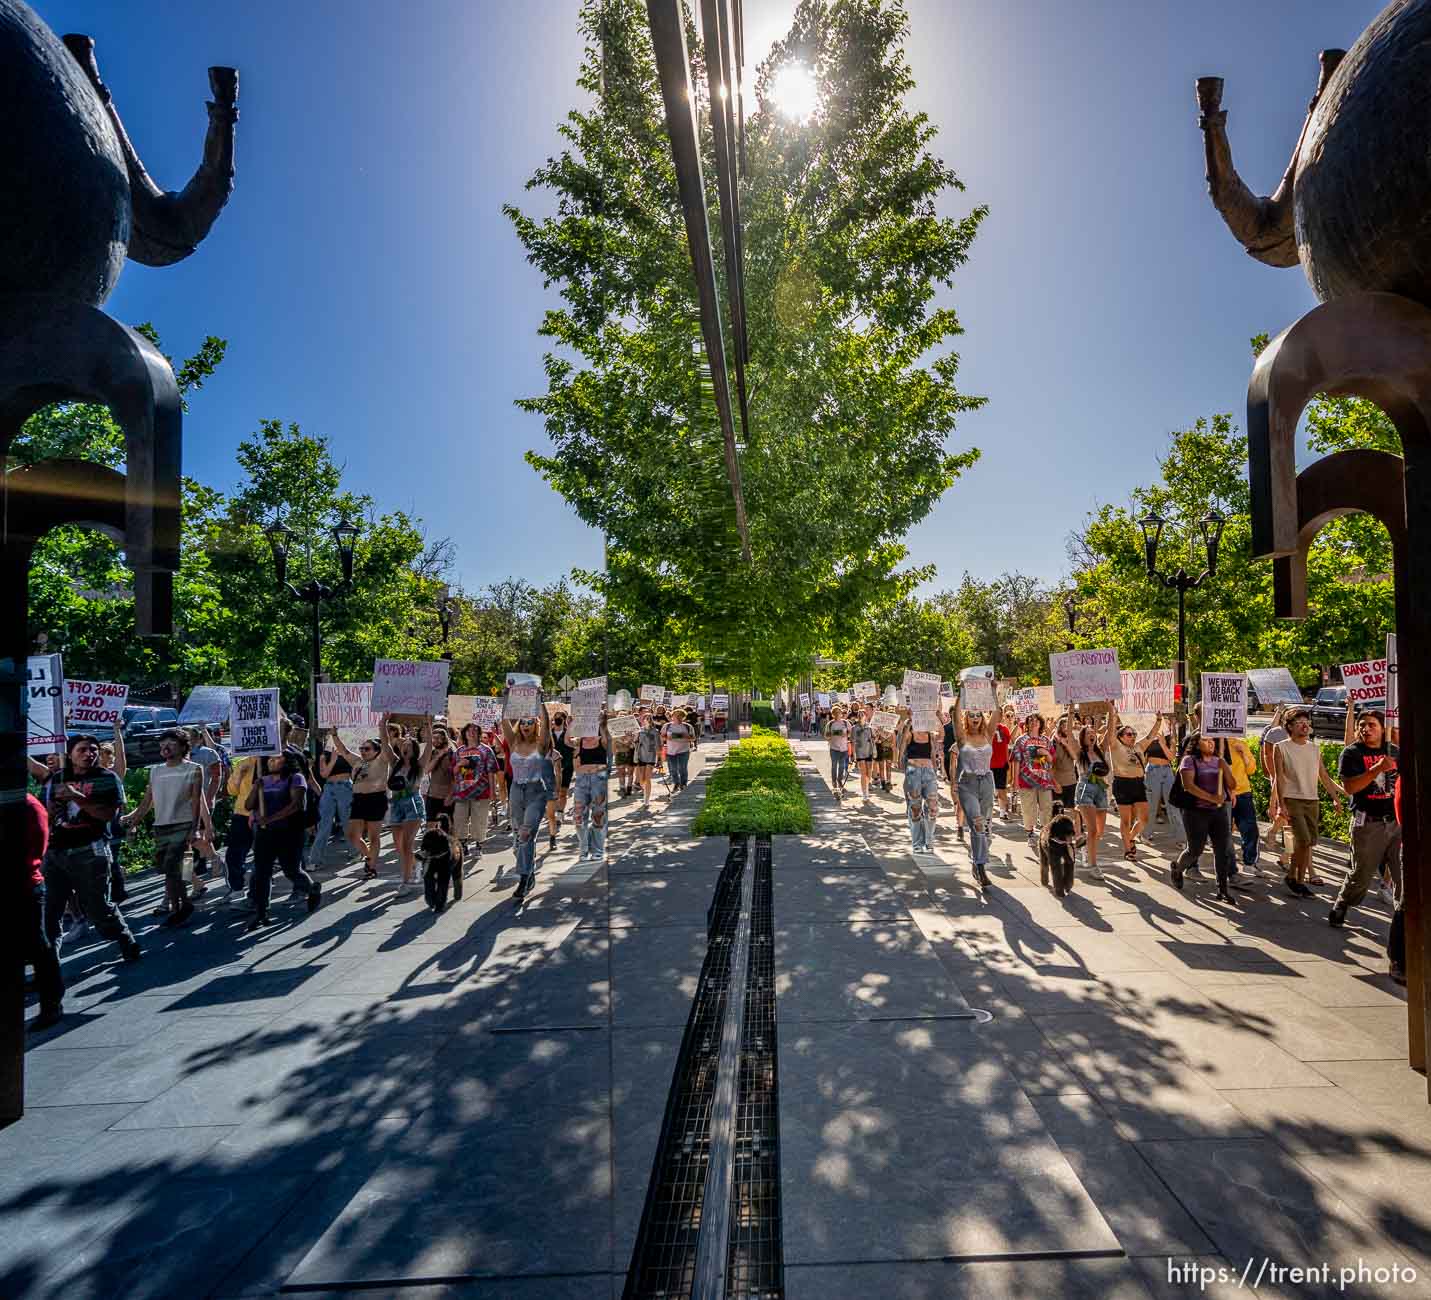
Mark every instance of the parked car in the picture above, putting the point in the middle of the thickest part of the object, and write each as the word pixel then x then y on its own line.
pixel 146 717
pixel 1329 711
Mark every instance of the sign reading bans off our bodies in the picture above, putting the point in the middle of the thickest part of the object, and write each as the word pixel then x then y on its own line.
pixel 1365 681
pixel 1224 705
pixel 94 704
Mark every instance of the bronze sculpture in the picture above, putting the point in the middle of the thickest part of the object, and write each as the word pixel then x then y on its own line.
pixel 1354 206
pixel 77 198
pixel 77 203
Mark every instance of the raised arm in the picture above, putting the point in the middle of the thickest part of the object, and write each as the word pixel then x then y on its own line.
pixel 544 723
pixel 121 760
pixel 1349 724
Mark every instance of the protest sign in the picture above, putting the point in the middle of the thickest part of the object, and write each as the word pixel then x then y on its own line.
pixel 620 700
pixel 653 694
pixel 700 703
pixel 44 705
pixel 587 703
pixel 524 679
pixel 1046 703
pixel 253 722
pixel 720 703
pixel 206 706
pixel 1365 681
pixel 593 681
pixel 946 690
pixel 1024 699
pixel 1393 693
pixel 978 670
pixel 865 691
pixel 521 703
pixel 976 694
pixel 94 704
pixel 486 711
pixel 1085 675
pixel 1274 686
pixel 923 691
pixel 1224 704
pixel 410 686
pixel 1146 692
pixel 882 720
pixel 842 697
pixel 625 725
pixel 459 712
pixel 804 699
pixel 822 698
pixel 681 701
pixel 346 707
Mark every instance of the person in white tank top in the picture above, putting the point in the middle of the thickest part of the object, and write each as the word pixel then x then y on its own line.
pixel 1297 770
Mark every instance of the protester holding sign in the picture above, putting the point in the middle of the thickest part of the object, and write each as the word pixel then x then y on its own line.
pixel 335 806
pixel 837 736
pixel 1206 784
pixel 589 789
pixel 369 808
pixel 862 740
pixel 921 784
pixel 81 799
pixel 1125 752
pixel 1158 749
pixel 1032 754
pixel 406 811
pixel 277 801
pixel 475 766
pixel 1368 770
pixel 533 779
pixel 678 737
pixel 973 781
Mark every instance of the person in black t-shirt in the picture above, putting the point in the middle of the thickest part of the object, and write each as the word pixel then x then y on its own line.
pixel 1368 771
pixel 81 799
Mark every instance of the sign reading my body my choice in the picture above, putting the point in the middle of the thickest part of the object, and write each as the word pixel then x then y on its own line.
pixel 408 686
pixel 1085 675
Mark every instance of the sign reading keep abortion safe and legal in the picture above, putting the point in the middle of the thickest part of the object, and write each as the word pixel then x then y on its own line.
pixel 1080 675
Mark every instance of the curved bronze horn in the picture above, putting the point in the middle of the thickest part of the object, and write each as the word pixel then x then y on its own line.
pixel 168 226
pixel 1263 226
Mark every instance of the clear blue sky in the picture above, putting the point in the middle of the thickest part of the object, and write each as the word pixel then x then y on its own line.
pixel 371 289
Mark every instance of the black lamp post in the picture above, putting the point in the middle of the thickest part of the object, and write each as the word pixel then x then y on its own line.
pixel 1180 580
pixel 1070 608
pixel 345 534
pixel 446 609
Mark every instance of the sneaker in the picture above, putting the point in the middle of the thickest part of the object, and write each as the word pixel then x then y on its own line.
pixel 524 887
pixel 238 898
pixel 260 919
pixel 315 895
pixel 129 946
pixel 182 915
pixel 1295 886
pixel 552 840
pixel 1338 915
pixel 981 876
pixel 1177 877
pixel 1094 873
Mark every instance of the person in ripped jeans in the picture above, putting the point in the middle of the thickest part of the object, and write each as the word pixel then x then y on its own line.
pixel 80 799
pixel 533 783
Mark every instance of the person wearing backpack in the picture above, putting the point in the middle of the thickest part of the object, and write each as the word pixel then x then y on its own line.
pixel 1202 795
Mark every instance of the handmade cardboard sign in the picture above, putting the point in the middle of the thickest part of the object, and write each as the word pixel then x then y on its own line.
pixel 1085 675
pixel 521 703
pixel 410 686
pixel 1365 681
pixel 1393 692
pixel 206 706
pixel 253 722
pixel 1274 686
pixel 347 708
pixel 1224 704
pixel 44 705
pixel 94 704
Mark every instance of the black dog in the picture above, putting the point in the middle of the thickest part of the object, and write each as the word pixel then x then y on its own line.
pixel 1055 851
pixel 442 858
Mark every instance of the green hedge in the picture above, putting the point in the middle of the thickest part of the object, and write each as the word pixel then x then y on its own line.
pixel 756 791
pixel 762 715
pixel 1336 825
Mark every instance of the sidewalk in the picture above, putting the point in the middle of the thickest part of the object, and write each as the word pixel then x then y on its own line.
pixel 369 1094
pixel 1228 1083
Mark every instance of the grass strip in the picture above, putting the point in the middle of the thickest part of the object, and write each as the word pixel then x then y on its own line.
pixel 756 791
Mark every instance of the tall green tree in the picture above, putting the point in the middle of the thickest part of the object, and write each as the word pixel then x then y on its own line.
pixel 852 384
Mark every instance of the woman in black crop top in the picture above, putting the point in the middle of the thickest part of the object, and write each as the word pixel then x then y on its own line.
pixel 921 789
pixel 588 792
pixel 336 805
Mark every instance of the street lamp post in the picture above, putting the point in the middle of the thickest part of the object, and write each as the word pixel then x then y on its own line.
pixel 1070 609
pixel 1180 580
pixel 345 534
pixel 446 608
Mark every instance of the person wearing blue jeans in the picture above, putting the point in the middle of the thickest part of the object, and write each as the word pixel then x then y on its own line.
pixel 972 777
pixel 921 790
pixel 1159 777
pixel 336 804
pixel 533 783
pixel 527 802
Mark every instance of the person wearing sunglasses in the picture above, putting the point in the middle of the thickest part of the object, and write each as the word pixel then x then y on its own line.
pixel 369 806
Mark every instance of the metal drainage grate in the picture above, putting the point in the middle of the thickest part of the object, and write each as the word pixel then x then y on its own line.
pixel 711 1223
pixel 756 1259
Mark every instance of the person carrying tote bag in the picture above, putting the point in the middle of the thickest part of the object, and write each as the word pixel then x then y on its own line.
pixel 1202 796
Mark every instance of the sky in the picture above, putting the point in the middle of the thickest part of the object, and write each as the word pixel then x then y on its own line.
pixel 371 289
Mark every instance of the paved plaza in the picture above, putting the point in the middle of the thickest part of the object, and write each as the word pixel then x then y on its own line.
pixel 372 1098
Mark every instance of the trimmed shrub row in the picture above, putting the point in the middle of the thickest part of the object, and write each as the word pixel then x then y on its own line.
pixel 756 791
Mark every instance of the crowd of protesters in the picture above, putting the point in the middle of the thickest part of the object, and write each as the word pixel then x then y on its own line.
pixel 412 781
pixel 1027 769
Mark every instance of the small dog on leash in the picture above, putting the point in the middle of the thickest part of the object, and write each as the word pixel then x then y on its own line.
pixel 441 855
pixel 1055 852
